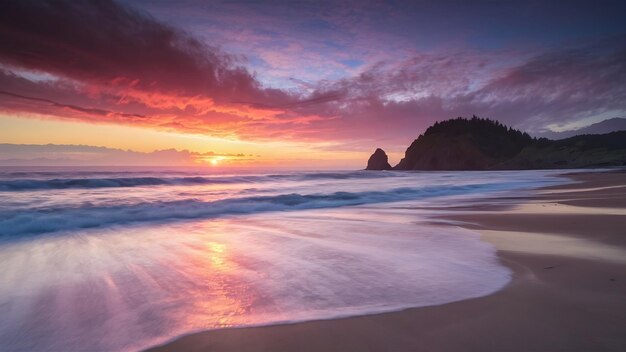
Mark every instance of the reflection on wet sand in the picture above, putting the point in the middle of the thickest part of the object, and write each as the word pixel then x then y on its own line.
pixel 131 287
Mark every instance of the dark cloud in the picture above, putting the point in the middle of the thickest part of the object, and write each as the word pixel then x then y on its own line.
pixel 90 111
pixel 104 43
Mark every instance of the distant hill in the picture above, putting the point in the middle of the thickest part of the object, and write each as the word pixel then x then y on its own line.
pixel 606 126
pixel 482 144
pixel 589 150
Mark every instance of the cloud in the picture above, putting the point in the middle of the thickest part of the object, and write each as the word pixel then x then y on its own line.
pixel 104 53
pixel 105 43
pixel 395 102
pixel 566 84
pixel 105 62
pixel 65 154
pixel 78 109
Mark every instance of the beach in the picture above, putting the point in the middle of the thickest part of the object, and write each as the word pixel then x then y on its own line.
pixel 349 176
pixel 566 247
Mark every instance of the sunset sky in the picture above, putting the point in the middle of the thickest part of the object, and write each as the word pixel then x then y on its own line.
pixel 315 84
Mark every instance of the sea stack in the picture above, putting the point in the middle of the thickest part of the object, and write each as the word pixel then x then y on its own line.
pixel 378 161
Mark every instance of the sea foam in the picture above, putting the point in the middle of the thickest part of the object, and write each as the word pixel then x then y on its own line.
pixel 39 220
pixel 125 288
pixel 119 261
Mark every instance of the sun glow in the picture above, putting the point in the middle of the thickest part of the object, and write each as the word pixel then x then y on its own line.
pixel 216 160
pixel 41 130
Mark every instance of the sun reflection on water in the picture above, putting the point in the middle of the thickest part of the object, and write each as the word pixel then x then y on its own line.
pixel 224 300
pixel 217 255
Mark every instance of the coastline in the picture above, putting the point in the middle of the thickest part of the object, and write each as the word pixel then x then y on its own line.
pixel 567 249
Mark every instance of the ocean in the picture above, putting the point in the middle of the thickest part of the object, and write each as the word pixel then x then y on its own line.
pixel 119 260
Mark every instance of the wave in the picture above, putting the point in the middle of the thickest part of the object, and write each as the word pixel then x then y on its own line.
pixel 70 183
pixel 272 271
pixel 52 219
pixel 30 184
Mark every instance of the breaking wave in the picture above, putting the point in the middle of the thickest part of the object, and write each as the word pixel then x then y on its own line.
pixel 51 219
pixel 70 183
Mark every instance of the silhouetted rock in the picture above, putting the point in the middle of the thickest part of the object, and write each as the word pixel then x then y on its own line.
pixel 482 144
pixel 463 144
pixel 378 161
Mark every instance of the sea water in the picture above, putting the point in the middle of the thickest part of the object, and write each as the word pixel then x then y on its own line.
pixel 104 260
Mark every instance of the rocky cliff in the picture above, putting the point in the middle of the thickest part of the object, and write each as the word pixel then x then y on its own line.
pixel 482 144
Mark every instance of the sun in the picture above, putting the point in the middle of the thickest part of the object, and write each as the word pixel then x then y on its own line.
pixel 215 161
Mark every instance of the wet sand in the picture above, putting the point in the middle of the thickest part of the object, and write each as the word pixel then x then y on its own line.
pixel 566 247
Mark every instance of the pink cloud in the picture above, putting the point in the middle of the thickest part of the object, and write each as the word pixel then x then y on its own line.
pixel 107 63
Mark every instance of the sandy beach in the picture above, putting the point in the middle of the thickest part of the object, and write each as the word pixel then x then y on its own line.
pixel 566 246
pixel 298 176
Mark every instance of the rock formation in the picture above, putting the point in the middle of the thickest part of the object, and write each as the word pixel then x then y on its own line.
pixel 482 144
pixel 378 161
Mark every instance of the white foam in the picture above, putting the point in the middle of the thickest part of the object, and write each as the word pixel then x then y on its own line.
pixel 130 287
pixel 89 265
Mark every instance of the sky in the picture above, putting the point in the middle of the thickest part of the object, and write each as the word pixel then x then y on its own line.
pixel 303 84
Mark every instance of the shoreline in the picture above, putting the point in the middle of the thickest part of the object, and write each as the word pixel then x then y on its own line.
pixel 567 253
